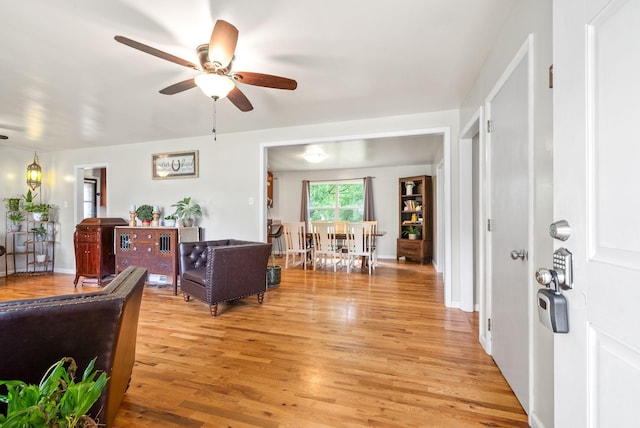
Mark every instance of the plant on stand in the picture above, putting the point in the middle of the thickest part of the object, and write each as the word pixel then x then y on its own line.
pixel 28 199
pixel 16 218
pixel 145 214
pixel 40 212
pixel 186 211
pixel 40 233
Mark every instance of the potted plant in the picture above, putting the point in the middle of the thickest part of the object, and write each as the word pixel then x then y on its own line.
pixel 408 186
pixel 58 401
pixel 40 232
pixel 28 199
pixel 274 273
pixel 16 218
pixel 40 212
pixel 186 211
pixel 170 220
pixel 145 214
pixel 13 204
pixel 411 232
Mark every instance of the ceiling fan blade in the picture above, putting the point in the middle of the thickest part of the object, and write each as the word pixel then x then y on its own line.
pixel 155 52
pixel 179 87
pixel 266 80
pixel 222 45
pixel 239 100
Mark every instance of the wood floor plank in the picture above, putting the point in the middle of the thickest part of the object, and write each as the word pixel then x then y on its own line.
pixel 325 349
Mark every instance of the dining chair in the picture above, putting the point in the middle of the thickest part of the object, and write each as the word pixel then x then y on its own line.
pixel 325 245
pixel 295 237
pixel 360 245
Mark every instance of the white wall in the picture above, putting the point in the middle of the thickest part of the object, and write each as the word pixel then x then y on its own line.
pixel 232 171
pixel 530 17
pixel 288 189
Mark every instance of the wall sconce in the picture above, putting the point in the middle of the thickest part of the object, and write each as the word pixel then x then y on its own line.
pixel 34 174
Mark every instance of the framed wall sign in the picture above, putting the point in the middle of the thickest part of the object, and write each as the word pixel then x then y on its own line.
pixel 174 165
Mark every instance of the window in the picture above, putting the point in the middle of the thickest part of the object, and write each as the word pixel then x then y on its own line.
pixel 343 201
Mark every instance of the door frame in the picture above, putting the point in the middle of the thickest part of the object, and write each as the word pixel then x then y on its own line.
pixel 447 217
pixel 475 126
pixel 78 198
pixel 526 50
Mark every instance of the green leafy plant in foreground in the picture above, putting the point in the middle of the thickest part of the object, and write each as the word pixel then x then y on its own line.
pixel 58 401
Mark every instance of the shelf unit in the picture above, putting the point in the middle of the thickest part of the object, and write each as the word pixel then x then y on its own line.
pixel 415 210
pixel 26 252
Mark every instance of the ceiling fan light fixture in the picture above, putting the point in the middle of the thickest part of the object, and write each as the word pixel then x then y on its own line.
pixel 215 86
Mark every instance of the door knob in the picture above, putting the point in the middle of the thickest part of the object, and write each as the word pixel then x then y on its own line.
pixel 522 254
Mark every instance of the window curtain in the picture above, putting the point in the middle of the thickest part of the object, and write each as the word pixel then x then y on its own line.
pixel 304 206
pixel 369 214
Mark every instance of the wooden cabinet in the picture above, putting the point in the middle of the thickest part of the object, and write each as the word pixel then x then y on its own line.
pixel 415 206
pixel 155 248
pixel 93 243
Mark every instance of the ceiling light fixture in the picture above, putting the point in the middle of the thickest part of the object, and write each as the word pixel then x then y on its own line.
pixel 314 156
pixel 34 173
pixel 215 86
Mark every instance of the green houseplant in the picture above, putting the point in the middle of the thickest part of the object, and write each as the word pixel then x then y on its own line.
pixel 28 199
pixel 170 220
pixel 186 211
pixel 40 231
pixel 145 214
pixel 40 211
pixel 13 204
pixel 16 218
pixel 411 232
pixel 58 401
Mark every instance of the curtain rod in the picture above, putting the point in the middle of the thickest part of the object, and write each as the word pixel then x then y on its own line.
pixel 339 179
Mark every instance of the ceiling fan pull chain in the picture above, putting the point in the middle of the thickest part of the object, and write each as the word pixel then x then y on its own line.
pixel 215 138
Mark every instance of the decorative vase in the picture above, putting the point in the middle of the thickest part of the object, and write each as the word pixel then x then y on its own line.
pixel 409 190
pixel 40 258
pixel 169 223
pixel 146 223
pixel 187 222
pixel 413 236
pixel 37 216
pixel 15 227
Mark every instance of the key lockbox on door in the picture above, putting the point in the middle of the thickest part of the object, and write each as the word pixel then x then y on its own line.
pixel 552 305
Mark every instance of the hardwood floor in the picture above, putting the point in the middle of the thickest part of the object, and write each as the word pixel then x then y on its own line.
pixel 324 350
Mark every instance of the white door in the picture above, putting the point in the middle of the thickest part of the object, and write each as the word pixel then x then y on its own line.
pixel 596 181
pixel 508 142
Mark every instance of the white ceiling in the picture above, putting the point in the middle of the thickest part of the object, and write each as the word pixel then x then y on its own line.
pixel 66 83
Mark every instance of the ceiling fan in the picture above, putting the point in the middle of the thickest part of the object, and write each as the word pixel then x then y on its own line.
pixel 216 59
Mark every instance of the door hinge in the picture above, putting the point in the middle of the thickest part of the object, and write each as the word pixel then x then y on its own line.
pixel 488 324
pixel 489 225
pixel 488 126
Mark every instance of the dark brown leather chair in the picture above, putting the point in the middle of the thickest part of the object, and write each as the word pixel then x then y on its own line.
pixel 36 333
pixel 224 270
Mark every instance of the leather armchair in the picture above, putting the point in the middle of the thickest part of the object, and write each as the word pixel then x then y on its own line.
pixel 224 270
pixel 36 333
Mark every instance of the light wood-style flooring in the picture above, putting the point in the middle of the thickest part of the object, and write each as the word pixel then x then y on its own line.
pixel 324 350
